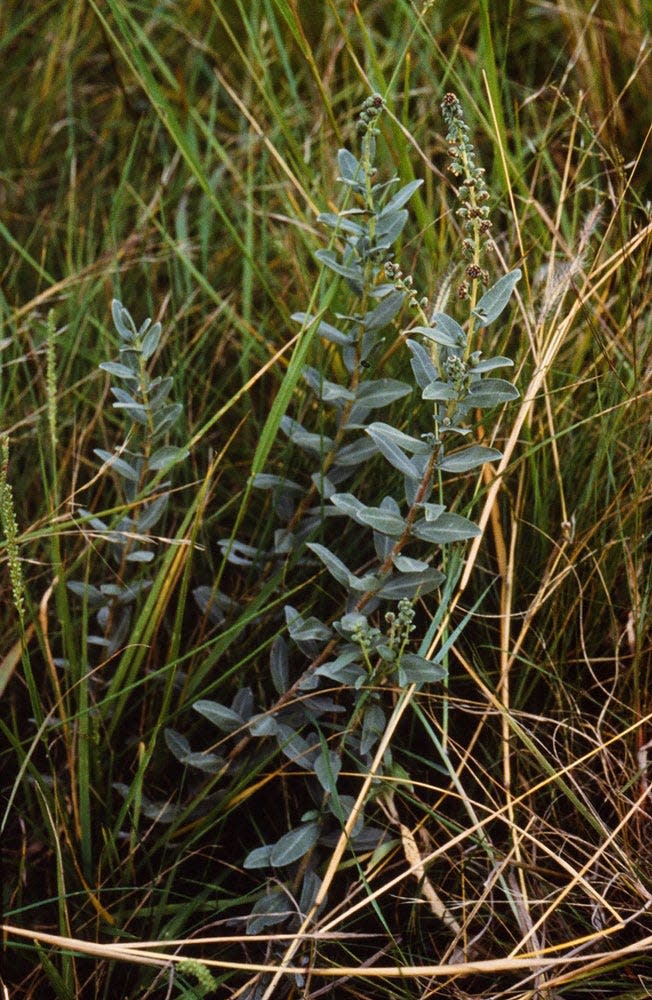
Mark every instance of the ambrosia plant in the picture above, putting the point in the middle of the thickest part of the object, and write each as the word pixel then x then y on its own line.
pixel 365 649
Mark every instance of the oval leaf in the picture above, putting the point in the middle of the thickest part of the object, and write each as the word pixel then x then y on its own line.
pixel 491 392
pixel 327 768
pixel 469 458
pixel 334 565
pixel 258 858
pixel 121 467
pixel 382 392
pixel 415 669
pixel 166 456
pixel 115 368
pixel 496 298
pixel 395 456
pixel 356 453
pixel 440 391
pixel 150 341
pixel 489 364
pixel 294 845
pixel 279 665
pixel 410 584
pixel 381 520
pixel 447 528
pixel 384 312
pixel 401 197
pixel 224 718
pixel 422 366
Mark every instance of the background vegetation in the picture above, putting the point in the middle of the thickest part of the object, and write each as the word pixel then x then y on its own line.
pixel 176 156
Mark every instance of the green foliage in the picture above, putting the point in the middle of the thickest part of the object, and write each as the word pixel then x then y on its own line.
pixel 456 769
pixel 321 735
pixel 138 465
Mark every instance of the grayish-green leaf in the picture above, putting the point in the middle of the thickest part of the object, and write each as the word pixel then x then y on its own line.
pixel 411 584
pixel 211 603
pixel 166 416
pixel 135 411
pixel 304 439
pixel 210 763
pixel 341 223
pixel 115 368
pixel 279 665
pixel 130 357
pixel 401 197
pixel 258 858
pixel 162 812
pixel 356 453
pixel 167 456
pixel 347 503
pixel 345 669
pixel 496 298
pixel 433 511
pixel 442 330
pixel 389 227
pixel 122 320
pixel 124 397
pixel 469 458
pixel 384 312
pixel 140 556
pixel 489 364
pixel 270 910
pixel 150 341
pixel 414 669
pixel 404 564
pixel 263 725
pixel 398 459
pixel 305 629
pixel 177 744
pixel 118 465
pixel 341 807
pixel 294 845
pixel 329 392
pixel 381 520
pixel 447 528
pixel 266 481
pixel 491 392
pixel 309 891
pixel 328 258
pixel 350 168
pixel 148 516
pixel 294 746
pixel 243 703
pixel 396 437
pixel 327 767
pixel 422 365
pixel 323 485
pixel 441 392
pixel 86 591
pixel 224 718
pixel 325 330
pixel 381 392
pixel 373 726
pixel 394 455
pixel 334 565
pixel 160 390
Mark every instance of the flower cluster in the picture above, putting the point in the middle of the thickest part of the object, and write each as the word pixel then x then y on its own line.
pixel 368 116
pixel 405 285
pixel 473 194
pixel 402 625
